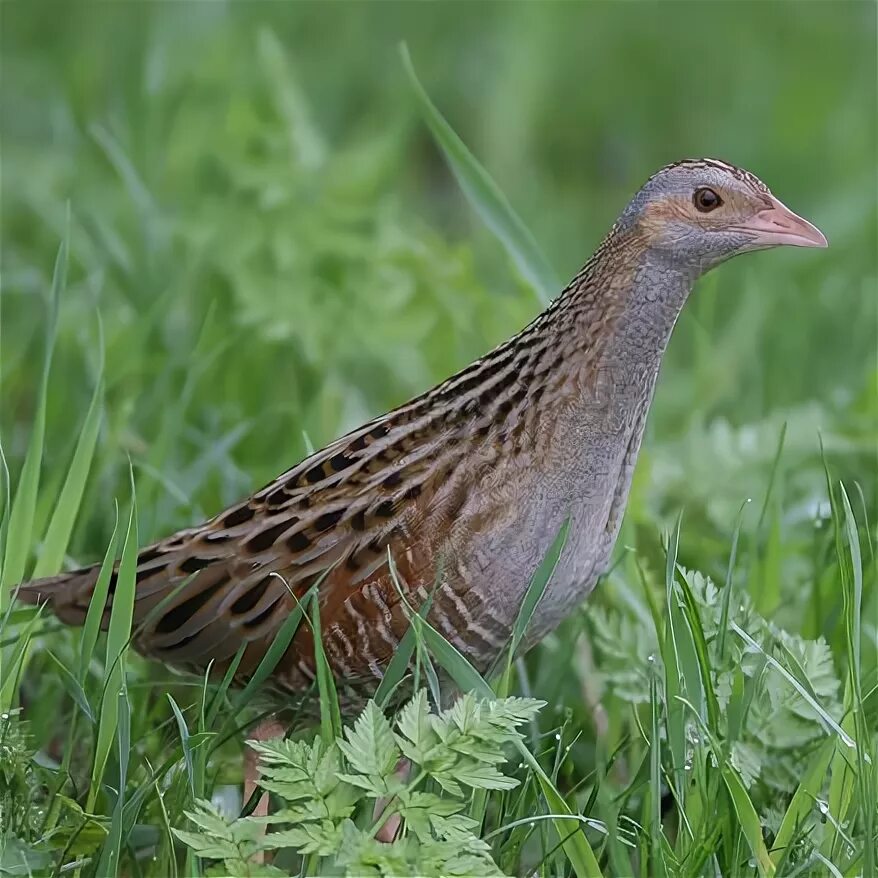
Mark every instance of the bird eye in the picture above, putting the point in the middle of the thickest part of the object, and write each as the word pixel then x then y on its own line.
pixel 706 200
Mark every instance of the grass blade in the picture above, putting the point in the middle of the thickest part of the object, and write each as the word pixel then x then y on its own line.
pixel 803 799
pixel 330 715
pixel 184 741
pixel 852 584
pixel 219 696
pixel 64 516
pixel 274 653
pixel 118 634
pixel 655 780
pixel 97 605
pixel 5 504
pixel 399 663
pixel 727 589
pixel 698 644
pixel 11 669
pixel 748 820
pixel 672 639
pixel 535 590
pixel 108 864
pixel 72 685
pixel 484 194
pixel 791 679
pixel 21 517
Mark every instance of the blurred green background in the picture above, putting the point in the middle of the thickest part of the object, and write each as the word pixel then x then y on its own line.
pixel 270 249
pixel 275 246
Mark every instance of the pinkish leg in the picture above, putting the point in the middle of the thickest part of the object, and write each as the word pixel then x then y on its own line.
pixel 390 828
pixel 265 731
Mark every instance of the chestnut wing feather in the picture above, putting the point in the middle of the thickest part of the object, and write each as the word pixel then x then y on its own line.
pixel 204 591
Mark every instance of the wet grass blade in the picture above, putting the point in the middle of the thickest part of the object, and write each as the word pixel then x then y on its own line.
pixel 484 194
pixel 842 780
pixel 748 820
pixel 844 776
pixel 700 649
pixel 794 682
pixel 852 583
pixel 802 802
pixel 655 780
pixel 853 595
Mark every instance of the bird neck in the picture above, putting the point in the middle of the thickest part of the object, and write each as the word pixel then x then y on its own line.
pixel 617 315
pixel 600 340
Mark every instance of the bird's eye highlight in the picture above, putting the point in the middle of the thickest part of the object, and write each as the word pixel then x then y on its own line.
pixel 706 199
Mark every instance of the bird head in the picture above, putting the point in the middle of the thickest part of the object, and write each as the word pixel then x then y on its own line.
pixel 704 211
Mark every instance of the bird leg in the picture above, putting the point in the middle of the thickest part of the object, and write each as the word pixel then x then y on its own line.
pixel 266 730
pixel 389 829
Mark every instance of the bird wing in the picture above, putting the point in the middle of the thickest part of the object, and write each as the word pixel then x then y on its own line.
pixel 204 591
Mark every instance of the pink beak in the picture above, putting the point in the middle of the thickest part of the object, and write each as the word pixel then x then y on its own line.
pixel 777 225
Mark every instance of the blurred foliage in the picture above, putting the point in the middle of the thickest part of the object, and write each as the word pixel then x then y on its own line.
pixel 266 161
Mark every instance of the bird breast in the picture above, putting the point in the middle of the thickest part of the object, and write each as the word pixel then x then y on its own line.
pixel 514 513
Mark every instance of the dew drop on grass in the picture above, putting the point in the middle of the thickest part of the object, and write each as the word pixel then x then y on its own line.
pixel 557 736
pixel 651 659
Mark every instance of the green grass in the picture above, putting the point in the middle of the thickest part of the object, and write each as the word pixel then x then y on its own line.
pixel 219 240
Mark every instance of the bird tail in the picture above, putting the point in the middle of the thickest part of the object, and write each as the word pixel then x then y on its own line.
pixel 67 595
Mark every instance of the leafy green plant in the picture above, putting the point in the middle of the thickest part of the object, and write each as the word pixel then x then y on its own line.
pixel 38 831
pixel 336 797
pixel 770 734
